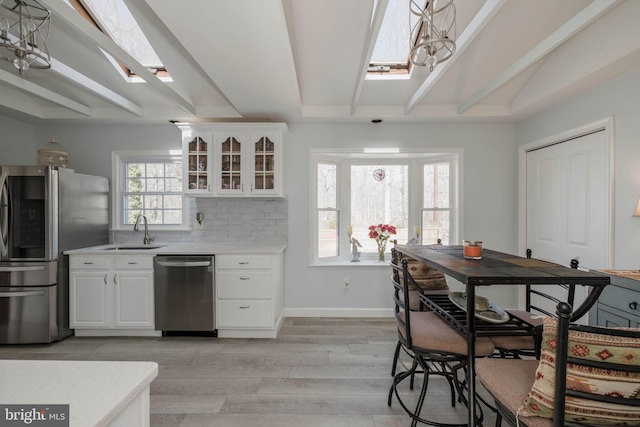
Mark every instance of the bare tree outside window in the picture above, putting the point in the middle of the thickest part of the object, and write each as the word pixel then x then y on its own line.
pixel 379 195
pixel 436 205
pixel 153 189
pixel 328 243
pixel 412 192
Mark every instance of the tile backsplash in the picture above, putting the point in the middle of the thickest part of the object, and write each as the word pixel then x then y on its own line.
pixel 226 220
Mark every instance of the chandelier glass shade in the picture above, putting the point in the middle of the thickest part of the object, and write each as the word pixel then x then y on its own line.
pixel 433 36
pixel 24 30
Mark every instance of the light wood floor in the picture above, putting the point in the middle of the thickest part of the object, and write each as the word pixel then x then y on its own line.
pixel 319 372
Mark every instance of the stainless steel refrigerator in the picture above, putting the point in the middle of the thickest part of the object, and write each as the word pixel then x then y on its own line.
pixel 44 211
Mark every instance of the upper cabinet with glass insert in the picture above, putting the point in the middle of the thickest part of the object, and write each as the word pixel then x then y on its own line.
pixel 196 149
pixel 245 160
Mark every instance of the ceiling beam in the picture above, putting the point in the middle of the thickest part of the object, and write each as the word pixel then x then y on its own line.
pixel 372 37
pixel 65 13
pixel 96 88
pixel 482 18
pixel 581 20
pixel 42 92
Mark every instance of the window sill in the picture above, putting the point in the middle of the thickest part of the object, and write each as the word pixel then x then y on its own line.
pixel 361 263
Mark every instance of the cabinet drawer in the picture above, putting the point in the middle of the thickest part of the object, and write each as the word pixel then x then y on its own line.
pixel 244 284
pixel 226 262
pixel 611 320
pixel 89 262
pixel 621 298
pixel 141 262
pixel 245 314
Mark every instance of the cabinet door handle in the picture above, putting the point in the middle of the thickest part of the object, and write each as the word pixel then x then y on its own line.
pixel 88 263
pixel 633 305
pixel 243 263
pixel 106 282
pixel 244 306
pixel 132 263
pixel 115 279
pixel 244 278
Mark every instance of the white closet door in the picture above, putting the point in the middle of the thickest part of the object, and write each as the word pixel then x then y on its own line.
pixel 568 202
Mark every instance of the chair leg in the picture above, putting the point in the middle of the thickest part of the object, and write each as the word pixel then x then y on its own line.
pixel 423 390
pixel 396 355
pixel 397 379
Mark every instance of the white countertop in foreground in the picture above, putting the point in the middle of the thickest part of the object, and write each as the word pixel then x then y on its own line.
pixel 182 249
pixel 96 392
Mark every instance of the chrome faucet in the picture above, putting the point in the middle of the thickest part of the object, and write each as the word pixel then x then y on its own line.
pixel 147 239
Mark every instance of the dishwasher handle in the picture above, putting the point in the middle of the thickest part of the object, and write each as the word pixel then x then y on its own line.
pixel 183 263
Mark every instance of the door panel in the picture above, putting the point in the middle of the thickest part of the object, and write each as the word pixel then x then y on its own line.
pixel 568 201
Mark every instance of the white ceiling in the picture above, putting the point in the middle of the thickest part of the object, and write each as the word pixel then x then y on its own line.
pixel 305 61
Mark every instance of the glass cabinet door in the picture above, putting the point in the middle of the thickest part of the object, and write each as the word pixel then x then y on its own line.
pixel 264 164
pixel 231 164
pixel 197 157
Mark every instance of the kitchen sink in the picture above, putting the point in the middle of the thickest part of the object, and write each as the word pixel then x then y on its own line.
pixel 134 248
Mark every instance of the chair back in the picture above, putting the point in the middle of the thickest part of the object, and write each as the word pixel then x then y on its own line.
pixel 401 296
pixel 606 362
pixel 543 299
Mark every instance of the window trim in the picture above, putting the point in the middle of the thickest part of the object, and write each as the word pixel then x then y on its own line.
pixel 118 158
pixel 415 158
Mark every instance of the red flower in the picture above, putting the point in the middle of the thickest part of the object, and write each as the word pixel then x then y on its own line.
pixel 381 232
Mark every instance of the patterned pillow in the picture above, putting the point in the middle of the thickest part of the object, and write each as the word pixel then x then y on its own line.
pixel 587 346
pixel 426 277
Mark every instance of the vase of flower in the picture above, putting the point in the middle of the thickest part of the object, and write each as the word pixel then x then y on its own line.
pixel 381 233
pixel 382 247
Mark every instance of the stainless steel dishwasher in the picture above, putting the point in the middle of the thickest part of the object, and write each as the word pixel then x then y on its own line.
pixel 184 295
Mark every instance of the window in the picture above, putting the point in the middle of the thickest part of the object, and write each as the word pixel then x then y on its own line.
pixel 149 185
pixel 114 19
pixel 390 57
pixel 355 190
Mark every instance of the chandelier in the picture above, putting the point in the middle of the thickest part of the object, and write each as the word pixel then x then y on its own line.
pixel 433 36
pixel 24 30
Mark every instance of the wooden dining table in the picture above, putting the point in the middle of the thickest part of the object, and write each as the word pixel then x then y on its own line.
pixel 499 269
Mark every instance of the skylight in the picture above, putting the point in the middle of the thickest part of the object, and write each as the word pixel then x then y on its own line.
pixel 114 18
pixel 391 52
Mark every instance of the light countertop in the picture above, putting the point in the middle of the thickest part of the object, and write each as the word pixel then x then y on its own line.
pixel 629 274
pixel 181 249
pixel 96 392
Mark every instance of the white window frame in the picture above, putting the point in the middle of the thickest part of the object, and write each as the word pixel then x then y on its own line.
pixel 118 160
pixel 344 158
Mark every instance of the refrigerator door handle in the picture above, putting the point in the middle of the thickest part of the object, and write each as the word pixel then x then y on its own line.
pixel 4 215
pixel 21 294
pixel 15 268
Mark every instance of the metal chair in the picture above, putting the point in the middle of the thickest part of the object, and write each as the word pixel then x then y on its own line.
pixel 430 281
pixel 522 375
pixel 436 348
pixel 536 302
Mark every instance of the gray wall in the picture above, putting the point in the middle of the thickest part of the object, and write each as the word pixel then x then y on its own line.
pixel 489 208
pixel 617 98
pixel 18 142
pixel 489 205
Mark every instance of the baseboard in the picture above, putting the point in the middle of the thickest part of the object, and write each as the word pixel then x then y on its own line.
pixel 117 333
pixel 339 312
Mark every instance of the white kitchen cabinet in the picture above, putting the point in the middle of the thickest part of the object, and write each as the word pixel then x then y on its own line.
pixel 234 160
pixel 111 292
pixel 618 305
pixel 249 295
pixel 197 149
